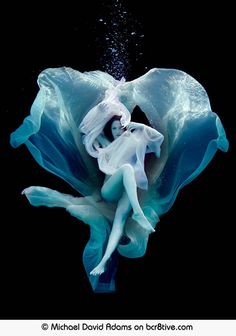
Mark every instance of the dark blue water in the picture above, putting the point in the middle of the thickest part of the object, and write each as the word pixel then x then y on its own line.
pixel 120 38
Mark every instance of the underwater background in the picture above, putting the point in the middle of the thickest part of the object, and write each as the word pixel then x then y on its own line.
pixel 187 271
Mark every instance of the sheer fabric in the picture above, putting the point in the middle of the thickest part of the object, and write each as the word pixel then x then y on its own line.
pixel 175 104
pixel 130 148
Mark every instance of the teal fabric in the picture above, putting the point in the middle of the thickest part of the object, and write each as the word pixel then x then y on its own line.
pixel 174 103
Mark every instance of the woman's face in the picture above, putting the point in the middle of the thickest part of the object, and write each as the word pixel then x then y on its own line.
pixel 116 129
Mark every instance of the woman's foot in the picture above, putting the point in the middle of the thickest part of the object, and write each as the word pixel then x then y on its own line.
pixel 99 269
pixel 142 220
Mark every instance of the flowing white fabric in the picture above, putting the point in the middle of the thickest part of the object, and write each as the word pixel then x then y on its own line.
pixel 95 120
pixel 174 103
pixel 130 148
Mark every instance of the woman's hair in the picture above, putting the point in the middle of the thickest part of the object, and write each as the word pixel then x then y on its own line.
pixel 107 129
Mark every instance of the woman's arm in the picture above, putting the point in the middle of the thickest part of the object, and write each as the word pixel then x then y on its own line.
pixel 133 126
pixel 154 140
pixel 102 140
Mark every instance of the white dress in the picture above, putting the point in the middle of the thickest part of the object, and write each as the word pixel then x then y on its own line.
pixel 130 148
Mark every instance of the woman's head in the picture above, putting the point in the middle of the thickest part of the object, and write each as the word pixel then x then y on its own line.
pixel 113 128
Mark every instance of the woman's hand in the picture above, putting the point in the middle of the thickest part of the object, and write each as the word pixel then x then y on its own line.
pixel 133 126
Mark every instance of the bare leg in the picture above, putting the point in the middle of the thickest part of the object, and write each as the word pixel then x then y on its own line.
pixel 124 178
pixel 117 230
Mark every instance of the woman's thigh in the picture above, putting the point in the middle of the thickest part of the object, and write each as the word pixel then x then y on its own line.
pixel 113 188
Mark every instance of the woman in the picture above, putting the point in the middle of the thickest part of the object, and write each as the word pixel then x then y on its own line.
pixel 172 100
pixel 122 161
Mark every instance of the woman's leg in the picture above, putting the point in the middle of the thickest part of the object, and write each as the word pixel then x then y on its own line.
pixel 124 178
pixel 117 230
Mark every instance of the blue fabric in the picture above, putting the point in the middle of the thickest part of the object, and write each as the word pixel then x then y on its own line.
pixel 174 103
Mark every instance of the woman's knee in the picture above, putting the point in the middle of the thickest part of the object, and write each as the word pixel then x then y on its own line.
pixel 127 169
